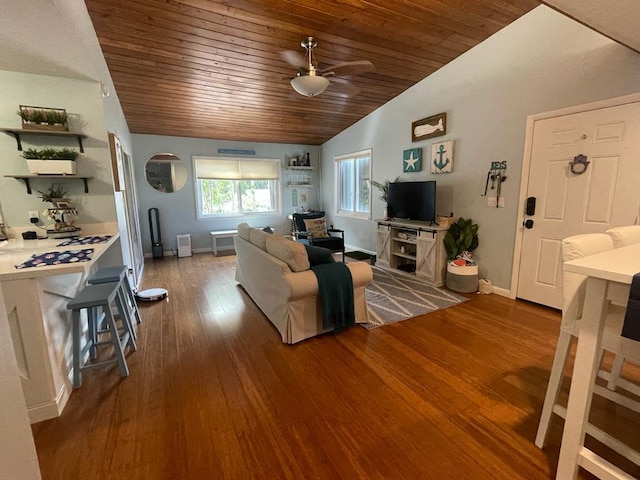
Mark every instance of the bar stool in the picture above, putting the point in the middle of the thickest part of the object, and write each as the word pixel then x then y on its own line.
pixel 118 273
pixel 98 300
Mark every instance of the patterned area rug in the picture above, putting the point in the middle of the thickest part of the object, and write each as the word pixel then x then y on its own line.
pixel 395 296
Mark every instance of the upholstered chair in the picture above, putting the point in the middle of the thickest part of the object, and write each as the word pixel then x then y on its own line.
pixel 311 228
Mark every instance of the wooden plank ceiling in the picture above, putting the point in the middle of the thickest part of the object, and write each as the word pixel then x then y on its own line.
pixel 216 69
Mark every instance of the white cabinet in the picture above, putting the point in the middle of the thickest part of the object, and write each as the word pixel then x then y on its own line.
pixel 414 247
pixel 383 245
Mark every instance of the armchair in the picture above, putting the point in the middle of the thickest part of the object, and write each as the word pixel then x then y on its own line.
pixel 310 228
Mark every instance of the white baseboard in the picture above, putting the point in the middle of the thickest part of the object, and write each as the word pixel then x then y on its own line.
pixel 52 408
pixel 503 292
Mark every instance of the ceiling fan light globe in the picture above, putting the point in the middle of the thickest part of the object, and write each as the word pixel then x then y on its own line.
pixel 309 85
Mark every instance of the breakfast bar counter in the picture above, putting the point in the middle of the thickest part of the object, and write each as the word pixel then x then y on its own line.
pixel 35 300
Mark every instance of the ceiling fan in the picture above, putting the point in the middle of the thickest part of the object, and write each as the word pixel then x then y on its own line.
pixel 311 80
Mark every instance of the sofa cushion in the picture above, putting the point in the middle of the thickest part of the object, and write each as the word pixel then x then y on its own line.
pixel 290 252
pixel 259 238
pixel 319 255
pixel 316 227
pixel 244 231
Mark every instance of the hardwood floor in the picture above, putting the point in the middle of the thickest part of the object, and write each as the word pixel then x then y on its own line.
pixel 214 394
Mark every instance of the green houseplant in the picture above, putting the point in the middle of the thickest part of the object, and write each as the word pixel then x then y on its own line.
pixel 459 241
pixel 51 161
pixel 55 192
pixel 42 118
pixel 50 154
pixel 384 192
pixel 461 237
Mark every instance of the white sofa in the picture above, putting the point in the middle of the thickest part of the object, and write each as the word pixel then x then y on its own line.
pixel 284 287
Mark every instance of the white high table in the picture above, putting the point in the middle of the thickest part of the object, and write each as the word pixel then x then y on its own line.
pixel 606 271
pixel 35 300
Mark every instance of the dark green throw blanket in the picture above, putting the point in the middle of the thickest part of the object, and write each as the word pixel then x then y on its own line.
pixel 336 294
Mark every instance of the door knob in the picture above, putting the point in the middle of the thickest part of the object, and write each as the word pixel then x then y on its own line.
pixel 528 223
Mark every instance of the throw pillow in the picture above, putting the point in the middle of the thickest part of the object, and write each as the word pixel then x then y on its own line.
pixel 291 253
pixel 319 255
pixel 316 227
pixel 267 229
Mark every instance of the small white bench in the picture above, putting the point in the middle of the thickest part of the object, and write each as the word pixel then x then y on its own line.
pixel 216 235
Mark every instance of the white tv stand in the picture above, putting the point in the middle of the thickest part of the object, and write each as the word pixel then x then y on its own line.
pixel 415 247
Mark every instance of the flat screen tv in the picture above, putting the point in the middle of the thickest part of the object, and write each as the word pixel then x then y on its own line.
pixel 412 200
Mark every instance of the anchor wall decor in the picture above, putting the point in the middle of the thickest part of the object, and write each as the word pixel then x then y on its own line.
pixel 442 157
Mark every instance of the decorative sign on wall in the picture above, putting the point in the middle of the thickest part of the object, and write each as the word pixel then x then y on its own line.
pixel 442 157
pixel 429 127
pixel 412 160
pixel 234 151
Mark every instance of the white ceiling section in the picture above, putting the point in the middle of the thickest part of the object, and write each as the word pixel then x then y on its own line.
pixel 617 19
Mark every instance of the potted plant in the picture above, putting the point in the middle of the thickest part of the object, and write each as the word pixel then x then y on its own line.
pixel 51 160
pixel 459 241
pixel 53 194
pixel 40 118
pixel 384 191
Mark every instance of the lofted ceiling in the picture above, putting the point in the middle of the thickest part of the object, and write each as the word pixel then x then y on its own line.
pixel 216 69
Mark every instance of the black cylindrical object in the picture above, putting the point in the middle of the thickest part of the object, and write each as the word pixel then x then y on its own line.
pixel 156 237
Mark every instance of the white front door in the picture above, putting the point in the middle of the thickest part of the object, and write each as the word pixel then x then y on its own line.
pixel 607 194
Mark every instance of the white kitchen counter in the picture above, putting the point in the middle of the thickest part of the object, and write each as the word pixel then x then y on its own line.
pixel 35 301
pixel 13 252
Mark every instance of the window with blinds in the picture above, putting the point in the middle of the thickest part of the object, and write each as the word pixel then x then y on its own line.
pixel 237 186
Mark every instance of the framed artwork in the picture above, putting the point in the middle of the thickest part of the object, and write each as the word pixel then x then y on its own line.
pixel 442 157
pixel 412 160
pixel 117 166
pixel 429 127
pixel 63 204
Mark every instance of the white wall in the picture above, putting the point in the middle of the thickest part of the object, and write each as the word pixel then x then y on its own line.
pixel 178 209
pixel 541 62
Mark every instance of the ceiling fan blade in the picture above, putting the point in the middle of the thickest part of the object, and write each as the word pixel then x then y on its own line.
pixel 294 59
pixel 343 87
pixel 356 67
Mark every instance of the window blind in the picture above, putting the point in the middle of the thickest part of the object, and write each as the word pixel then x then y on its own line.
pixel 236 169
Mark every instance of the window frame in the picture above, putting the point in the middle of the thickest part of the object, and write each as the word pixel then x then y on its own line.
pixel 338 159
pixel 276 190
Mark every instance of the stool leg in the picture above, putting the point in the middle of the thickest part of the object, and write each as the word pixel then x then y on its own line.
pixel 126 321
pixel 77 351
pixel 132 300
pixel 123 307
pixel 93 316
pixel 117 345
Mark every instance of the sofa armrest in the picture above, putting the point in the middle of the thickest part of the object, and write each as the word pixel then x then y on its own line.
pixel 305 284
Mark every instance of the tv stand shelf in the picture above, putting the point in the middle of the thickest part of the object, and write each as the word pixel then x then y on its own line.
pixel 415 247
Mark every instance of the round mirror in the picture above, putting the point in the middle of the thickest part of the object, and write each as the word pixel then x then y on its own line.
pixel 166 173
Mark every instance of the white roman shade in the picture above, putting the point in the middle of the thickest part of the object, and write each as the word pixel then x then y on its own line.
pixel 236 169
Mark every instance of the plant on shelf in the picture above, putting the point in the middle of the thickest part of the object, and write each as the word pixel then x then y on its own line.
pixel 39 117
pixel 54 193
pixel 50 154
pixel 461 239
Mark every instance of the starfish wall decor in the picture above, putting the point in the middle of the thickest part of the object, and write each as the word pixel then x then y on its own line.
pixel 412 160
